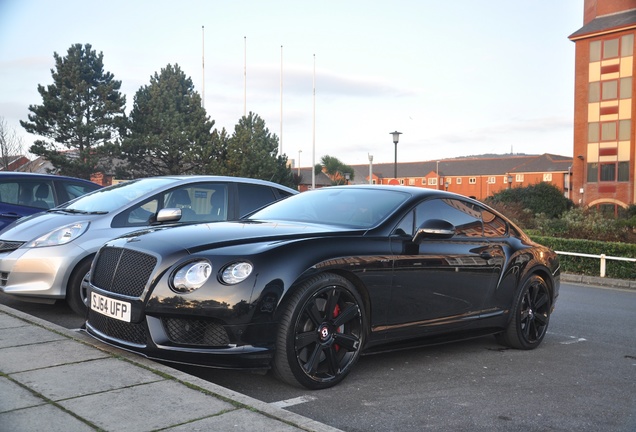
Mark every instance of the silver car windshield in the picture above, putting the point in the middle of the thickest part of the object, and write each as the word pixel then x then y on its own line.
pixel 349 206
pixel 116 196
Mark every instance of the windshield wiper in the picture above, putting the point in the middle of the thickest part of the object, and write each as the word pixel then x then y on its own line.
pixel 74 211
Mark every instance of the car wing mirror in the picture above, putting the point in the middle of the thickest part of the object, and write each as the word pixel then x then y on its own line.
pixel 434 229
pixel 168 215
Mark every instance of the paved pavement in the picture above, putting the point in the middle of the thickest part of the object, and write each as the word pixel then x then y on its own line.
pixel 55 379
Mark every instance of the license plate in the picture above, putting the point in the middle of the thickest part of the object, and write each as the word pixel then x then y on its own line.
pixel 109 307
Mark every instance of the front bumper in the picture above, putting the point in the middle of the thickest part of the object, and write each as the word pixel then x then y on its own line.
pixel 153 338
pixel 39 272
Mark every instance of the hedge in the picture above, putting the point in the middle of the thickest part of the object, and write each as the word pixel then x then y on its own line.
pixel 591 266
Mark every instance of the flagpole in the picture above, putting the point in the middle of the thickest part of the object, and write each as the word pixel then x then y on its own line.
pixel 244 76
pixel 281 101
pixel 313 152
pixel 203 67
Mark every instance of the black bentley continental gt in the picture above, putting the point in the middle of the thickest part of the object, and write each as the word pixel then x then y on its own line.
pixel 308 284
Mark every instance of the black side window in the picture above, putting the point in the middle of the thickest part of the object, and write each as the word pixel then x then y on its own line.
pixel 252 197
pixel 465 216
pixel 494 226
pixel 405 227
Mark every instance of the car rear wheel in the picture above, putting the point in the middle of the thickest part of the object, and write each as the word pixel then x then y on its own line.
pixel 321 333
pixel 531 316
pixel 76 291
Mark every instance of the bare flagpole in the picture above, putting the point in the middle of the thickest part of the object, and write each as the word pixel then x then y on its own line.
pixel 245 76
pixel 203 67
pixel 313 151
pixel 281 101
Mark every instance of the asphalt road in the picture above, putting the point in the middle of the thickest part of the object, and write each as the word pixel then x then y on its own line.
pixel 582 378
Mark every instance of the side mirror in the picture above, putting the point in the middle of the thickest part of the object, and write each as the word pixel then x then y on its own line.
pixel 169 215
pixel 434 229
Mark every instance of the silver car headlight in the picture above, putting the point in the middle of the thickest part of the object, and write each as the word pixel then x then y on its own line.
pixel 191 276
pixel 60 236
pixel 236 272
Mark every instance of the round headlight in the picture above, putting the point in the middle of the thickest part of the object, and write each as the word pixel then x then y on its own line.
pixel 236 272
pixel 191 276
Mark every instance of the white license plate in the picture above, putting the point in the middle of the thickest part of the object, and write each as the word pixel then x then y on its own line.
pixel 110 307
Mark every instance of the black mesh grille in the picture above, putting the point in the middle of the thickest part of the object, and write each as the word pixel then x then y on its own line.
pixel 195 332
pixel 129 332
pixel 122 271
pixel 8 246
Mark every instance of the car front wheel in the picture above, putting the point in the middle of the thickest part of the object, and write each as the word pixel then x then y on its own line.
pixel 76 291
pixel 531 316
pixel 321 333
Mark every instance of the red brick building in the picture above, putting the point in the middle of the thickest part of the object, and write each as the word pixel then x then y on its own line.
pixel 478 177
pixel 605 105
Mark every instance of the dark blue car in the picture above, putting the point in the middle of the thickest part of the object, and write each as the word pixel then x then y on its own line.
pixel 23 194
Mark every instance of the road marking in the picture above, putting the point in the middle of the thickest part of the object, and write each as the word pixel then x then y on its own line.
pixel 573 340
pixel 294 401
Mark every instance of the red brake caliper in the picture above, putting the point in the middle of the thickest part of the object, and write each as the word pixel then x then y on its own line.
pixel 336 312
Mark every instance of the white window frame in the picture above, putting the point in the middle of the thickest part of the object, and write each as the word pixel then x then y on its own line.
pixel 472 180
pixel 547 177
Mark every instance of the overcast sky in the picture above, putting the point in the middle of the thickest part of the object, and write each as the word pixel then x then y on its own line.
pixel 457 78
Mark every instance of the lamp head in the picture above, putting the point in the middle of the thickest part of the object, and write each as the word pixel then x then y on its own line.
pixel 396 136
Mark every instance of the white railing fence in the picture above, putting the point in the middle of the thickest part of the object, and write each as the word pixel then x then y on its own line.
pixel 602 257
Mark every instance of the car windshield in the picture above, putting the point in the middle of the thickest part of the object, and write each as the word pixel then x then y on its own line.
pixel 348 206
pixel 116 196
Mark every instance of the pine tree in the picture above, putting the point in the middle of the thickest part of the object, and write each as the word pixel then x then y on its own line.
pixel 81 112
pixel 169 130
pixel 252 152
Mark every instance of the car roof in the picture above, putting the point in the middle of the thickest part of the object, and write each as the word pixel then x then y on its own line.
pixel 35 176
pixel 412 190
pixel 197 177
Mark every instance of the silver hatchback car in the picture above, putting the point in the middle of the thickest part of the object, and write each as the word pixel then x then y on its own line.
pixel 46 256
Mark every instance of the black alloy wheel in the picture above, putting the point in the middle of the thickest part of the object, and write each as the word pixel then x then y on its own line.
pixel 321 333
pixel 531 316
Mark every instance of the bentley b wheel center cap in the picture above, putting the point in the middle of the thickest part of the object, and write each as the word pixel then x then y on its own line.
pixel 324 332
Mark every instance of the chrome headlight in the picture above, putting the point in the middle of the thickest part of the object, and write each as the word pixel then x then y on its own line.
pixel 60 236
pixel 236 272
pixel 191 276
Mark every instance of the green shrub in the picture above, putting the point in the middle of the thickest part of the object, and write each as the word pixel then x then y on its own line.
pixel 539 198
pixel 588 224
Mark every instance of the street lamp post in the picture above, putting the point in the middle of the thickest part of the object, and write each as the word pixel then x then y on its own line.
pixel 396 138
pixel 509 181
pixel 299 152
pixel 347 177
pixel 370 169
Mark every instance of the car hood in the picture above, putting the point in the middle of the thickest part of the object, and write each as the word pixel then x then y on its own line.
pixel 38 224
pixel 194 238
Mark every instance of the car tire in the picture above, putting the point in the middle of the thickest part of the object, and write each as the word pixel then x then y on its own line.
pixel 321 333
pixel 76 291
pixel 531 316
